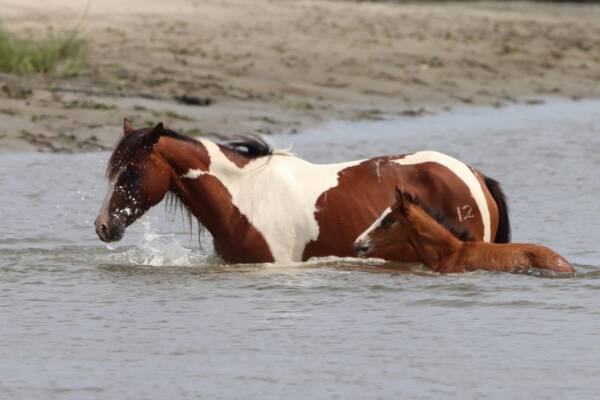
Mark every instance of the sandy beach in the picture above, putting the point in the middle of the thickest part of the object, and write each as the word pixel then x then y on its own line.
pixel 279 66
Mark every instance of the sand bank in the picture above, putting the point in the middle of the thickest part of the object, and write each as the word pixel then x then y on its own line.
pixel 270 66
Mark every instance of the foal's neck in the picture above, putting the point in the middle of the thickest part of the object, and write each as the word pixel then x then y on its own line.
pixel 433 242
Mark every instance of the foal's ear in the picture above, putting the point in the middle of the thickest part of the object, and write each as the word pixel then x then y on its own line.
pixel 152 137
pixel 127 127
pixel 400 200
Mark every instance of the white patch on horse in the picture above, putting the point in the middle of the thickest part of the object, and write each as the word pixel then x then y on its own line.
pixel 278 195
pixel 193 174
pixel 463 172
pixel 106 203
pixel 377 170
pixel 363 237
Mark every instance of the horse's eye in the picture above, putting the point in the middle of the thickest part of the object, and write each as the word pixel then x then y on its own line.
pixel 387 221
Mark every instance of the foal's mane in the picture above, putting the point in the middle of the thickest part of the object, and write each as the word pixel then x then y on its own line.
pixel 439 217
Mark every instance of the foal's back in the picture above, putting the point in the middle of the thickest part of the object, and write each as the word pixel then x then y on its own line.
pixel 510 257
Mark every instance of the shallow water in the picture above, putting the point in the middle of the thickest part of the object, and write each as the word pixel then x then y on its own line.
pixel 157 316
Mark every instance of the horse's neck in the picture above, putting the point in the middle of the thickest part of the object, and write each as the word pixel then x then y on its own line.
pixel 205 197
pixel 225 191
pixel 433 242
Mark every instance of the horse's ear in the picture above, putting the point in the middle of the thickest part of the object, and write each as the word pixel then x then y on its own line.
pixel 127 127
pixel 152 137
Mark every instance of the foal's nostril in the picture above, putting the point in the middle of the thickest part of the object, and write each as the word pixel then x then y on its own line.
pixel 361 248
pixel 103 228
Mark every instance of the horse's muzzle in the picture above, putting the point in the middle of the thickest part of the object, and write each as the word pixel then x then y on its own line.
pixel 108 231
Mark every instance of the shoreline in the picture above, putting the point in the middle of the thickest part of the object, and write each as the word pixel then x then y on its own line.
pixel 354 126
pixel 267 67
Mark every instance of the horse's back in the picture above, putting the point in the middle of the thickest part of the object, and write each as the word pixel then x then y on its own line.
pixel 364 190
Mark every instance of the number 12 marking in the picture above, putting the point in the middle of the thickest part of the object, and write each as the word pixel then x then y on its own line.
pixel 464 212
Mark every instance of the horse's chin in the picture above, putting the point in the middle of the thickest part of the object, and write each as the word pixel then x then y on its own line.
pixel 118 235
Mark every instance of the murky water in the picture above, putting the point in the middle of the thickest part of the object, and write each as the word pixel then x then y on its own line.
pixel 158 317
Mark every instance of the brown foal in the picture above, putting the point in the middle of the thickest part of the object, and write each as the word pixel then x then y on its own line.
pixel 444 248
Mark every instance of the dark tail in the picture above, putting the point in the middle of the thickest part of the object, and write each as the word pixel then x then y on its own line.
pixel 503 233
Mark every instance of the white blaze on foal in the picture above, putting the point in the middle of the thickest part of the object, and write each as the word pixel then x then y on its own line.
pixel 363 238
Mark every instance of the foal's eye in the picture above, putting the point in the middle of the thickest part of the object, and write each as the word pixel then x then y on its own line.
pixel 387 221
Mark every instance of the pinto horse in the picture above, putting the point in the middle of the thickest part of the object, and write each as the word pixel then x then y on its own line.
pixel 445 248
pixel 265 205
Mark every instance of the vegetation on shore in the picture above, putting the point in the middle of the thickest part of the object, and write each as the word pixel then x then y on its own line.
pixel 63 55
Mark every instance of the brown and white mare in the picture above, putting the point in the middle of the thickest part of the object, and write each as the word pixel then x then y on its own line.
pixel 446 248
pixel 265 205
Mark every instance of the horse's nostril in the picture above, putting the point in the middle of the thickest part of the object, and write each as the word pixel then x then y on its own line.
pixel 103 228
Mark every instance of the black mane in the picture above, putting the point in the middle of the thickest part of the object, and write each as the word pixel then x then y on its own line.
pixel 439 217
pixel 178 136
pixel 251 146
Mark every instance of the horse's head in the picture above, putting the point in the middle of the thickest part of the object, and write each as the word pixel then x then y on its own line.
pixel 138 179
pixel 389 230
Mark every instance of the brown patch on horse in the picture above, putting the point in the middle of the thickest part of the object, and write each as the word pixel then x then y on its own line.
pixel 183 155
pixel 236 240
pixel 238 159
pixel 439 217
pixel 367 186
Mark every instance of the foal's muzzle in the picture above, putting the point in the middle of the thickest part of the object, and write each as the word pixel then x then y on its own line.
pixel 362 247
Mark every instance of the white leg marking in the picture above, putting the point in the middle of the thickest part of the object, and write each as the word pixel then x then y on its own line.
pixel 464 173
pixel 106 203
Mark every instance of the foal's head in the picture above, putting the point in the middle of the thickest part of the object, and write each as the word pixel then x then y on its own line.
pixel 389 230
pixel 407 221
pixel 138 179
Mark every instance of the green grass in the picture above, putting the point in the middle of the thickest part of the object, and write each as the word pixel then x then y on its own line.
pixel 62 55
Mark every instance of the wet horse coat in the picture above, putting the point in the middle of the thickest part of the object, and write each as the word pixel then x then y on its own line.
pixel 262 205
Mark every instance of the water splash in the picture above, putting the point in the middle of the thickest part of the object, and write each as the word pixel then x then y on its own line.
pixel 158 250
